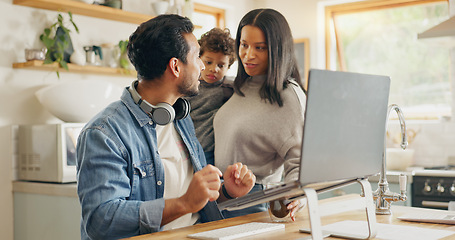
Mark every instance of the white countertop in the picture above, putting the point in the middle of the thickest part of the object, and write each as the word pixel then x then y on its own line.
pixel 393 177
pixel 435 173
pixel 53 189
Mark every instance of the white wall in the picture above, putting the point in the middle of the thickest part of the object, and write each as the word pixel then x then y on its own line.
pixel 302 18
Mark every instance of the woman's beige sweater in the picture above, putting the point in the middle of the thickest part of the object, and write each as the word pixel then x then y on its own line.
pixel 265 137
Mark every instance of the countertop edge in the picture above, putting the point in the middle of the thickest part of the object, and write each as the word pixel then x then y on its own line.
pixel 393 177
pixel 52 189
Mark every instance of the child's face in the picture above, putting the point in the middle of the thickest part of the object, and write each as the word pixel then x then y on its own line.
pixel 216 66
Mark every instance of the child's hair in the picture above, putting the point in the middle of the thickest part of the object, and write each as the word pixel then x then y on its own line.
pixel 218 40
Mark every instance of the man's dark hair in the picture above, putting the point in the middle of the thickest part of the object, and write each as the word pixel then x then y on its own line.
pixel 156 41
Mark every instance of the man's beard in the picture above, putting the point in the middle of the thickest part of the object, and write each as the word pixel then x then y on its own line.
pixel 187 88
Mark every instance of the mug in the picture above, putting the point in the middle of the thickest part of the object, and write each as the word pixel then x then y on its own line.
pixel 278 208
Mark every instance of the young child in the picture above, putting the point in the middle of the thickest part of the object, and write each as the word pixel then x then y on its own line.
pixel 218 54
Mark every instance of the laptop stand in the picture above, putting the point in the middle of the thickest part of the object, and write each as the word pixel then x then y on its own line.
pixel 315 222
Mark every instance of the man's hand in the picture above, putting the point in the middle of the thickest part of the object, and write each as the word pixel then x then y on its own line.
pixel 203 188
pixel 238 180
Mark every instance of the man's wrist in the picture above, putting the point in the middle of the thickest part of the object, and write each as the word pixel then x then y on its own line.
pixel 225 193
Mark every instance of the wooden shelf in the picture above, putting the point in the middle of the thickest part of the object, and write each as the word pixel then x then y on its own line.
pixel 73 68
pixel 85 9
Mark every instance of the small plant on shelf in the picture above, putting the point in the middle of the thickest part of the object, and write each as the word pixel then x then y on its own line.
pixel 124 61
pixel 57 40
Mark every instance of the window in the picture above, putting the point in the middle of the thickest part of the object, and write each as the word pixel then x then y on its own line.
pixel 380 37
pixel 207 17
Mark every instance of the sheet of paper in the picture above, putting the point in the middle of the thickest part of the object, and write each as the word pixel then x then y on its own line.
pixel 433 217
pixel 387 231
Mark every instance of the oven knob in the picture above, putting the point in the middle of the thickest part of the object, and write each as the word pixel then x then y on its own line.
pixel 440 188
pixel 452 189
pixel 427 188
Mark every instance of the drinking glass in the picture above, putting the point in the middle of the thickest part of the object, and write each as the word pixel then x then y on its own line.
pixel 278 208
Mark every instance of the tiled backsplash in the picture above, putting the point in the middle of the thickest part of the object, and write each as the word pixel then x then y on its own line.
pixel 433 143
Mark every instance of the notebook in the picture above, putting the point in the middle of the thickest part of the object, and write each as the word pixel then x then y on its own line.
pixel 343 135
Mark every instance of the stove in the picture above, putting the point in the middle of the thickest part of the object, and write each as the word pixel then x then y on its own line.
pixel 433 188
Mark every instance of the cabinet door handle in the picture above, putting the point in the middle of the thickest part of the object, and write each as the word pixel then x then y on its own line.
pixel 435 204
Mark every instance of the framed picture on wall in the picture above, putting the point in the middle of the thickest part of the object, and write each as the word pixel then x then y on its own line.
pixel 302 52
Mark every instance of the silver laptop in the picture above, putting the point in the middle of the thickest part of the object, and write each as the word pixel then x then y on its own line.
pixel 343 135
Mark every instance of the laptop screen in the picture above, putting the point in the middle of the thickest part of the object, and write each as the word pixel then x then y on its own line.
pixel 343 136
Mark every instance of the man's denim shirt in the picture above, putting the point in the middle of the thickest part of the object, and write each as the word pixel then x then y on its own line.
pixel 120 174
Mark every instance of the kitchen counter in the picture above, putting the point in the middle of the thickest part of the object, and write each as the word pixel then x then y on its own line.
pixel 333 210
pixel 393 176
pixel 52 189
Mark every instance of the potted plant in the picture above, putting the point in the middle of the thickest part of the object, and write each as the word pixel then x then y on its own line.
pixel 57 41
pixel 124 62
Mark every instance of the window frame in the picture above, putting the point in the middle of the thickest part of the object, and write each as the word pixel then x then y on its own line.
pixel 360 6
pixel 218 13
pixel 306 45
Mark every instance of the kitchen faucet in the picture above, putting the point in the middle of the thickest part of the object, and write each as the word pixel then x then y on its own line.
pixel 382 196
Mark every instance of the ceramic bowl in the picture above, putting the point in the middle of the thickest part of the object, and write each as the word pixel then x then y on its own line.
pixel 160 7
pixel 78 101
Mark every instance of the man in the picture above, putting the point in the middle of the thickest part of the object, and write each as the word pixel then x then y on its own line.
pixel 140 166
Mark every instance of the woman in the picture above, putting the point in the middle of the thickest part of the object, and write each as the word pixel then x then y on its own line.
pixel 262 123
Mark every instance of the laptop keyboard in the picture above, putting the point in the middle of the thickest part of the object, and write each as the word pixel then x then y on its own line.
pixel 238 231
pixel 258 197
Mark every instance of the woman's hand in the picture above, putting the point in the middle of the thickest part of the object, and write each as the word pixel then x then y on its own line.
pixel 296 206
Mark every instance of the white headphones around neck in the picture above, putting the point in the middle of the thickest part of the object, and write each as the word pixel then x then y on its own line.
pixel 162 113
